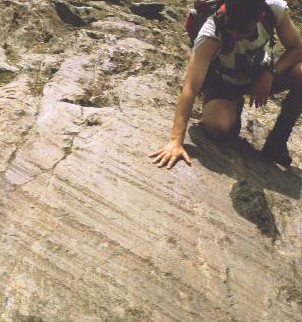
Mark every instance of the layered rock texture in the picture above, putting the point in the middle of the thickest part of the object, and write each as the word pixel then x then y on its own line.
pixel 90 229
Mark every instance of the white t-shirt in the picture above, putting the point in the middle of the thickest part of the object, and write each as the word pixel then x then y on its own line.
pixel 251 53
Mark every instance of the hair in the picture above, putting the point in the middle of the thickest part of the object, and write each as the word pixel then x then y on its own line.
pixel 240 13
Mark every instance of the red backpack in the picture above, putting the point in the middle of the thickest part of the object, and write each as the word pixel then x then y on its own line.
pixel 203 9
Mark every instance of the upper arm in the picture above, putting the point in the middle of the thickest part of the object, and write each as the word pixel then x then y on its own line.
pixel 199 63
pixel 288 34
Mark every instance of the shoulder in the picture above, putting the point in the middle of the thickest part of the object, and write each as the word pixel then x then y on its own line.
pixel 278 8
pixel 208 30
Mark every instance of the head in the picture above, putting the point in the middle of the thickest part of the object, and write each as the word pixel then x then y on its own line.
pixel 243 15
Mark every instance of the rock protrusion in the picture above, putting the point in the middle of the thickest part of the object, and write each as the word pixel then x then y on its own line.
pixel 150 10
pixel 67 16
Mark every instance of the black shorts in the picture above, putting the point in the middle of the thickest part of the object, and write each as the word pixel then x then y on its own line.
pixel 216 88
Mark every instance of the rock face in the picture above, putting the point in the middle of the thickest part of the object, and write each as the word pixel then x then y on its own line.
pixel 90 230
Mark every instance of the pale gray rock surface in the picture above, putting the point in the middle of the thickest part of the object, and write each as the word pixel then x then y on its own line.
pixel 90 230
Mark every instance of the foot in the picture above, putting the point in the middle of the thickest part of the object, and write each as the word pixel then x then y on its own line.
pixel 278 154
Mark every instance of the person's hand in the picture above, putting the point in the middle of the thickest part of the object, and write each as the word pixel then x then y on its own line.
pixel 261 89
pixel 169 155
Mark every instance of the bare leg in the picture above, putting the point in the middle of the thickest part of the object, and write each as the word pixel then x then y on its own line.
pixel 221 118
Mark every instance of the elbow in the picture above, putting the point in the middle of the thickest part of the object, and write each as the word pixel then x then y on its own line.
pixel 295 55
pixel 300 55
pixel 192 91
pixel 298 52
pixel 295 52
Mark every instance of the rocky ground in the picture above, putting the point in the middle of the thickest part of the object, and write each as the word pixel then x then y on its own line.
pixel 90 230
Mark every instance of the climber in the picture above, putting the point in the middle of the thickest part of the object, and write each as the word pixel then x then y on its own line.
pixel 230 59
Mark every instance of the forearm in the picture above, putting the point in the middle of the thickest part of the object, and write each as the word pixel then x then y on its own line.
pixel 196 73
pixel 289 59
pixel 182 115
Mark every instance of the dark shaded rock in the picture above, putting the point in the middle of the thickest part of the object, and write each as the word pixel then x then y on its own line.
pixel 95 35
pixel 67 16
pixel 6 77
pixel 148 10
pixel 113 1
pixel 30 319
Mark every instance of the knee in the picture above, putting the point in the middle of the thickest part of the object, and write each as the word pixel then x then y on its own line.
pixel 221 119
pixel 223 132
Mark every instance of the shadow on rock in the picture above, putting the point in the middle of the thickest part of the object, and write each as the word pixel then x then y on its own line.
pixel 251 204
pixel 240 161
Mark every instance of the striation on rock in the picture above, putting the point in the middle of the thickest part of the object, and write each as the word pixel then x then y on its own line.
pixel 90 230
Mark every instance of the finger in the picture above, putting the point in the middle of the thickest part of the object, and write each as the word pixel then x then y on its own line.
pixel 159 157
pixel 187 158
pixel 251 101
pixel 172 162
pixel 154 154
pixel 256 102
pixel 261 101
pixel 164 161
